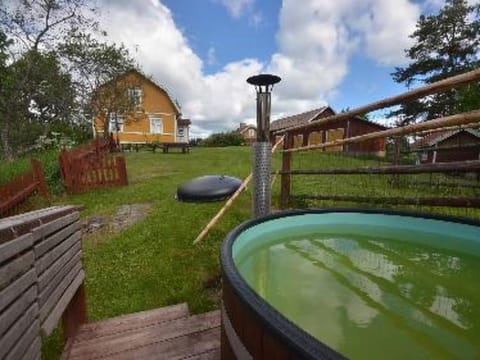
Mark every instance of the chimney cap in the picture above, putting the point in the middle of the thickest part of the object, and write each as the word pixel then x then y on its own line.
pixel 263 79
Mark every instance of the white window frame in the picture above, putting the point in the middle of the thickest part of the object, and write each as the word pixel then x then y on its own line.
pixel 159 120
pixel 136 94
pixel 111 123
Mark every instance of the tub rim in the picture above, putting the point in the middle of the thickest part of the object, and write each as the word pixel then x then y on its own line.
pixel 289 333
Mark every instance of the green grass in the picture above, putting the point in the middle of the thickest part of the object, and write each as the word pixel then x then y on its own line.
pixel 49 159
pixel 154 264
pixel 421 185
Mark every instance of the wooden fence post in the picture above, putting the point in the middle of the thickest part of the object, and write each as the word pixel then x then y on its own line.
pixel 75 314
pixel 396 158
pixel 122 170
pixel 39 177
pixel 286 166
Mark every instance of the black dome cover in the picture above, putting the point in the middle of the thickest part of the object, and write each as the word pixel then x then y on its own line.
pixel 208 188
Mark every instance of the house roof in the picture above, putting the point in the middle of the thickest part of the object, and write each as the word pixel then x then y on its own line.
pixel 169 96
pixel 439 136
pixel 184 122
pixel 311 116
pixel 298 119
pixel 241 130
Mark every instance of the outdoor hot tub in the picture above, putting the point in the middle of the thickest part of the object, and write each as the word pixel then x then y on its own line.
pixel 356 284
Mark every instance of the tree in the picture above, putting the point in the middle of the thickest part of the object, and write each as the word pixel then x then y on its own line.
pixel 35 23
pixel 446 44
pixel 6 81
pixel 99 70
pixel 36 91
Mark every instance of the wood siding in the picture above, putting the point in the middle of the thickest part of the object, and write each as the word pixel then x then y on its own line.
pixel 155 102
pixel 457 148
pixel 340 130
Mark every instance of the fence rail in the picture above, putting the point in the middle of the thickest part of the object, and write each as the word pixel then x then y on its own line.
pixel 18 190
pixel 92 166
pixel 464 157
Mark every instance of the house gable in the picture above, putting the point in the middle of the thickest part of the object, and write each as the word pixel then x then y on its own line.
pixel 155 119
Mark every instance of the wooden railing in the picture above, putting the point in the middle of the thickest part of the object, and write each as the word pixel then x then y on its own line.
pixel 468 120
pixel 92 166
pixel 18 190
pixel 41 279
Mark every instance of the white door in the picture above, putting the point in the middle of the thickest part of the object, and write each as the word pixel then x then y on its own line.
pixel 182 134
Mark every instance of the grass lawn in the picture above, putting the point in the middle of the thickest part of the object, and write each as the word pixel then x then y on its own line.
pixel 154 264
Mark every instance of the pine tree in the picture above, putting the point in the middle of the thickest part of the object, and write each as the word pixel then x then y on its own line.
pixel 446 44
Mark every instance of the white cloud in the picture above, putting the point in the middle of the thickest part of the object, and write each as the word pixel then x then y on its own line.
pixel 256 19
pixel 236 7
pixel 211 57
pixel 315 43
pixel 385 27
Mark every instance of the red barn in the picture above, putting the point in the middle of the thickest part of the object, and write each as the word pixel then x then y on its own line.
pixel 334 130
pixel 447 146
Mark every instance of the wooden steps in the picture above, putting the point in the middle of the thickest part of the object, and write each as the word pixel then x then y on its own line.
pixel 165 333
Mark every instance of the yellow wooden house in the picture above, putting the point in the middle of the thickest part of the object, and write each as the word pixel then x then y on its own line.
pixel 154 118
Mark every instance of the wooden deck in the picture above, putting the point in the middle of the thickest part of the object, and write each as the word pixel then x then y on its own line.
pixel 165 333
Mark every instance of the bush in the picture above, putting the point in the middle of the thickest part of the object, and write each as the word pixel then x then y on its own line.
pixel 50 165
pixel 224 139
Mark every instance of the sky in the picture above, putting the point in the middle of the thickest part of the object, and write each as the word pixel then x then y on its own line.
pixel 338 53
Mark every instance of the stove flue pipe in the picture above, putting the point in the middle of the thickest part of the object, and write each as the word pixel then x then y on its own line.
pixel 262 148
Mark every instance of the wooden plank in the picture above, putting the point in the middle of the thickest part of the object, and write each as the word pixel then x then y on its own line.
pixel 44 230
pixel 50 242
pixel 27 340
pixel 454 166
pixel 15 246
pixel 421 201
pixel 50 273
pixel 16 226
pixel 8 340
pixel 285 186
pixel 13 269
pixel 131 321
pixel 52 320
pixel 46 292
pixel 50 303
pixel 34 352
pixel 17 308
pixel 45 261
pixel 208 355
pixel 183 347
pixel 16 288
pixel 138 338
pixel 429 89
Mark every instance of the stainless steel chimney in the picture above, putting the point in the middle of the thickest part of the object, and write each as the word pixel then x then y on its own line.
pixel 262 148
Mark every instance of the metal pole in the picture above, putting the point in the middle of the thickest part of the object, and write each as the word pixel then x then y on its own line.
pixel 262 148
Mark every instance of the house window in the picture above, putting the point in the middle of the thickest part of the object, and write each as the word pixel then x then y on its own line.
pixel 115 123
pixel 156 125
pixel 135 95
pixel 251 133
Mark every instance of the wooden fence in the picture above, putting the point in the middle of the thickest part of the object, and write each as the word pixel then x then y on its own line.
pixel 469 120
pixel 15 192
pixel 41 279
pixel 92 166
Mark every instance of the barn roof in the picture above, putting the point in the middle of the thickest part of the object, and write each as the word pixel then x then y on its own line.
pixel 439 136
pixel 311 116
pixel 298 119
pixel 241 130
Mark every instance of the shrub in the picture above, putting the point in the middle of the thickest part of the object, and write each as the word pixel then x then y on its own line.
pixel 224 139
